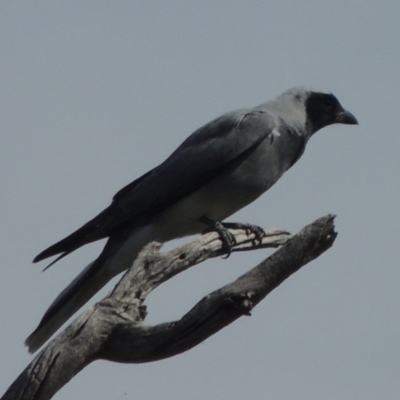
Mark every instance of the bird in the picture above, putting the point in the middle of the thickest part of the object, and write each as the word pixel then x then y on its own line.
pixel 219 169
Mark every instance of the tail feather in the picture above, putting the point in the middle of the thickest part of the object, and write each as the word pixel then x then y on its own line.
pixel 71 299
pixel 117 256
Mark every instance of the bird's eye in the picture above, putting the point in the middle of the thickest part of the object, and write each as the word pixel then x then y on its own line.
pixel 328 102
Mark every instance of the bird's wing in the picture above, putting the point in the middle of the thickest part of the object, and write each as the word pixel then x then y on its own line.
pixel 210 150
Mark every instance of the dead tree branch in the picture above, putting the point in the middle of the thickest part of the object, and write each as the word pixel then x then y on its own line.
pixel 114 329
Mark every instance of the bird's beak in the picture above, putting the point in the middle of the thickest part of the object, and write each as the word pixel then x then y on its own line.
pixel 346 117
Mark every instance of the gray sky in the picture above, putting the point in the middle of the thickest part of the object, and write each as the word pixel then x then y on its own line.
pixel 93 94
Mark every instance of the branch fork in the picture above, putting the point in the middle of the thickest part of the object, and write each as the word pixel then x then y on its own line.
pixel 114 329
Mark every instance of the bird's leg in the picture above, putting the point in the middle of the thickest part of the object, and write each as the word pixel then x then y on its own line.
pixel 227 238
pixel 259 233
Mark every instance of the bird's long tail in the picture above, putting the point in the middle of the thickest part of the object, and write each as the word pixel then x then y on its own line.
pixel 117 256
pixel 71 299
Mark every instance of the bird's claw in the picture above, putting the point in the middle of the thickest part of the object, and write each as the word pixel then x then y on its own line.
pixel 227 238
pixel 258 232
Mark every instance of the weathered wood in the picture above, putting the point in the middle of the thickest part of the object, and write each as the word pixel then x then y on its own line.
pixel 114 328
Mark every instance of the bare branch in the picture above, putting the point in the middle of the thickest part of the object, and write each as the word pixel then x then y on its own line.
pixel 114 329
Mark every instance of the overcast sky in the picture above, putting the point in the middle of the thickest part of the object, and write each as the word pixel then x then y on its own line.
pixel 93 94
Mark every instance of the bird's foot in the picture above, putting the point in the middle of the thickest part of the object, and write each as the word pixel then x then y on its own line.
pixel 258 232
pixel 227 238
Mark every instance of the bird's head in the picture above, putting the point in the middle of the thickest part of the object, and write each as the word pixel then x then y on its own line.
pixel 321 108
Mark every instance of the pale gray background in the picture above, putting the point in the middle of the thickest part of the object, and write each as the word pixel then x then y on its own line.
pixel 93 94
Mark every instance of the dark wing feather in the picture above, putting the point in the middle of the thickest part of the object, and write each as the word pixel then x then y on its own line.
pixel 220 144
pixel 74 240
